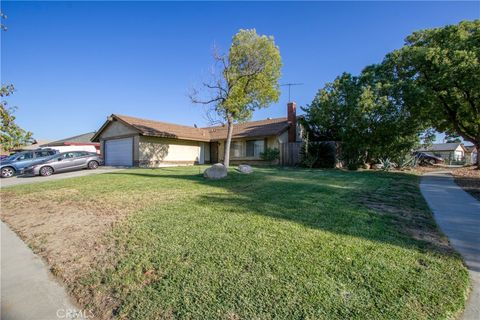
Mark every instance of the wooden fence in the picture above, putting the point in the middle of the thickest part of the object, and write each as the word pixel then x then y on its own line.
pixel 290 153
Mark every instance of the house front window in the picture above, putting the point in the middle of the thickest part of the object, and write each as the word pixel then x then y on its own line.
pixel 236 149
pixel 255 148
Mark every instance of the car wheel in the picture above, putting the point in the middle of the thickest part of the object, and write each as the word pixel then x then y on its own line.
pixel 93 165
pixel 46 171
pixel 7 172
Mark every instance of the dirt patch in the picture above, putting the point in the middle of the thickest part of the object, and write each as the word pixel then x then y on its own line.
pixel 469 179
pixel 64 229
pixel 404 207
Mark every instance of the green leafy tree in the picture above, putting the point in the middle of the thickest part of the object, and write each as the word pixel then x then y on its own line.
pixel 366 115
pixel 11 135
pixel 442 66
pixel 244 80
pixel 427 138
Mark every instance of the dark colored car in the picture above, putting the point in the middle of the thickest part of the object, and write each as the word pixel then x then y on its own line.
pixel 66 161
pixel 427 158
pixel 16 164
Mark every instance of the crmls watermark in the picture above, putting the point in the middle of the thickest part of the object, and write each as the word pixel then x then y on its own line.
pixel 74 314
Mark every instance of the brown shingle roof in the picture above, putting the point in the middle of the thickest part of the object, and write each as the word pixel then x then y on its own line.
pixel 260 128
pixel 153 128
pixel 164 129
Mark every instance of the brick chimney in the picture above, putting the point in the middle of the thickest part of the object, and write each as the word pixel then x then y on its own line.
pixel 292 120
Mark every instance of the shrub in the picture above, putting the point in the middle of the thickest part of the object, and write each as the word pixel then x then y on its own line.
pixel 270 154
pixel 353 166
pixel 387 165
pixel 309 160
pixel 321 154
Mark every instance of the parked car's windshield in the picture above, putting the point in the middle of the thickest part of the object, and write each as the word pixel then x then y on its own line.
pixel 12 157
pixel 21 156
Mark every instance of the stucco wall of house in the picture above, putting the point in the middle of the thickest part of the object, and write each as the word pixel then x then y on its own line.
pixel 157 152
pixel 116 129
pixel 283 138
pixel 136 147
pixel 459 153
pixel 471 157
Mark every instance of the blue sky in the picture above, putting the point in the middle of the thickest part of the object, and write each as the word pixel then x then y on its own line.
pixel 75 63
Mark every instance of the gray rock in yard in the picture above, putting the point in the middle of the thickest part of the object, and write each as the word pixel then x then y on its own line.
pixel 217 171
pixel 244 168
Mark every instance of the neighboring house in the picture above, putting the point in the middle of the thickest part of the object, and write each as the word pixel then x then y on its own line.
pixel 35 145
pixel 448 151
pixel 81 142
pixel 130 141
pixel 471 154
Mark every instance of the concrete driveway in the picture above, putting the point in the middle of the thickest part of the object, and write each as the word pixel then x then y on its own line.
pixel 7 182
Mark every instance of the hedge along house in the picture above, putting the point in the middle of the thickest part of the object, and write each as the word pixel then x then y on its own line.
pixel 130 141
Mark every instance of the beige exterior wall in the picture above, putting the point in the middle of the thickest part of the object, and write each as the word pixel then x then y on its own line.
pixel 471 157
pixel 156 152
pixel 136 147
pixel 117 129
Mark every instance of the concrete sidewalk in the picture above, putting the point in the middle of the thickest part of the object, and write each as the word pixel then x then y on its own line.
pixel 28 290
pixel 458 215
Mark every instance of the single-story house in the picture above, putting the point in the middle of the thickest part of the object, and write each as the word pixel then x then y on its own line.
pixel 448 151
pixel 471 154
pixel 79 142
pixel 131 141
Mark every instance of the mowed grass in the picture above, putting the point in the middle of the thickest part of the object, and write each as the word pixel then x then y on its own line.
pixel 279 243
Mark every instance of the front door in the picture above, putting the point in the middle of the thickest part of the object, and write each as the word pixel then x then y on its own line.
pixel 214 152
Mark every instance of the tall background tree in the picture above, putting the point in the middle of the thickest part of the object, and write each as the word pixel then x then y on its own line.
pixel 431 82
pixel 367 115
pixel 11 135
pixel 242 81
pixel 443 66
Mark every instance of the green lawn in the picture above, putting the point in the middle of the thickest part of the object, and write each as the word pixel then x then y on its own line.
pixel 286 244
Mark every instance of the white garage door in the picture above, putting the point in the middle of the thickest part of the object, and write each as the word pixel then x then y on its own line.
pixel 118 152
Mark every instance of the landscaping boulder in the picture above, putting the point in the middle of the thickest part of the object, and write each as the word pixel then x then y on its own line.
pixel 245 168
pixel 217 171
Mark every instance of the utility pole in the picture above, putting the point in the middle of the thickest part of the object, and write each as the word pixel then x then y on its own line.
pixel 289 85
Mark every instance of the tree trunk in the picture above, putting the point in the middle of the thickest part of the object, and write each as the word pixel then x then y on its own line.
pixel 226 157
